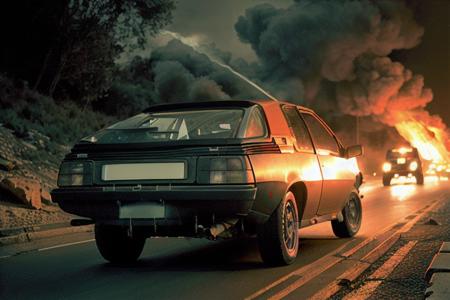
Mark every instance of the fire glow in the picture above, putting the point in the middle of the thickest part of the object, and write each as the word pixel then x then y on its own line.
pixel 428 140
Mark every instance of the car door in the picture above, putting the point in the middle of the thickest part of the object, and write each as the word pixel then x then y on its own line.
pixel 303 162
pixel 338 179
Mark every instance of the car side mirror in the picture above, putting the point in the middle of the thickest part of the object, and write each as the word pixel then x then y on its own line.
pixel 353 151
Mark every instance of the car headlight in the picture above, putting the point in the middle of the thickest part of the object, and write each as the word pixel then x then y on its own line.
pixel 387 167
pixel 75 173
pixel 224 170
pixel 439 168
pixel 413 166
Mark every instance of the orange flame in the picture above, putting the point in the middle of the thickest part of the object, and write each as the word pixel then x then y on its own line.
pixel 429 140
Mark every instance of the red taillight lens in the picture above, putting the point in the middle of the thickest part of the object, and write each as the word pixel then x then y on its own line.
pixel 224 170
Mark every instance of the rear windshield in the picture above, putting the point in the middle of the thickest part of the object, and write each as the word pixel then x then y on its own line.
pixel 171 126
pixel 393 154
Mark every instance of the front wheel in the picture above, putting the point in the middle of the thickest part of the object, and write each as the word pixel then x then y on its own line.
pixel 386 180
pixel 352 213
pixel 116 246
pixel 278 237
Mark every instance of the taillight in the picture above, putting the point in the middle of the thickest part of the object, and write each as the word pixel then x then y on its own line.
pixel 224 170
pixel 76 173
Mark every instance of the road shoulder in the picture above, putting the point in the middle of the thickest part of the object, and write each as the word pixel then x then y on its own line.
pixel 407 278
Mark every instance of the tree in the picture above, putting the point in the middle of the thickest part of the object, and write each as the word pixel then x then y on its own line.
pixel 67 48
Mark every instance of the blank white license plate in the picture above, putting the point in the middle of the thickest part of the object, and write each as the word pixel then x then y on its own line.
pixel 142 211
pixel 139 171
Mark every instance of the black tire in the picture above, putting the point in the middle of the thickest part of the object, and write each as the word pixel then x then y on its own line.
pixel 116 246
pixel 419 179
pixel 278 238
pixel 352 213
pixel 387 180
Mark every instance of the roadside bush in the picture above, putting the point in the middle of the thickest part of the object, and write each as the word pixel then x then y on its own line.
pixel 125 99
pixel 65 123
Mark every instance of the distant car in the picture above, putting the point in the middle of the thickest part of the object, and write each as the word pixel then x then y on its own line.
pixel 212 169
pixel 439 168
pixel 404 161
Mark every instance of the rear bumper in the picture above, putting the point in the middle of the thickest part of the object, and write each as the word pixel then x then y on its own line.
pixel 179 202
pixel 402 172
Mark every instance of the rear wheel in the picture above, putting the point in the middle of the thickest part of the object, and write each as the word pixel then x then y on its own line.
pixel 386 180
pixel 419 178
pixel 352 213
pixel 278 237
pixel 116 246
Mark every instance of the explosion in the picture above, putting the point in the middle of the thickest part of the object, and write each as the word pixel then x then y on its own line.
pixel 429 140
pixel 330 55
pixel 393 95
pixel 340 51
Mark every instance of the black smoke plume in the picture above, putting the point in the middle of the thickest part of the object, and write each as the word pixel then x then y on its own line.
pixel 338 52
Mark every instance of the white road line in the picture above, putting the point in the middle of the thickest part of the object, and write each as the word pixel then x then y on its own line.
pixel 368 288
pixel 65 245
pixel 412 222
pixel 367 241
pixel 307 272
pixel 334 286
pixel 300 272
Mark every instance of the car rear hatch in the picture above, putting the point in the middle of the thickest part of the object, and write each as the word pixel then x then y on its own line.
pixel 170 164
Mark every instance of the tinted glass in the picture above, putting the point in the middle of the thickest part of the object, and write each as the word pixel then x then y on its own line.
pixel 256 125
pixel 396 153
pixel 323 140
pixel 173 125
pixel 298 127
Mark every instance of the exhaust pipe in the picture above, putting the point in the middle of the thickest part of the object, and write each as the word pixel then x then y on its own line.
pixel 217 229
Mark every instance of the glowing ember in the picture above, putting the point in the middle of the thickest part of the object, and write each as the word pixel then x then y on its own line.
pixel 429 140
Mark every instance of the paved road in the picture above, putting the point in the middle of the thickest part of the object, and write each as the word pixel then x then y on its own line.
pixel 195 269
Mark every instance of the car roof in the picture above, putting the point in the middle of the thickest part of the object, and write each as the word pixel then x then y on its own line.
pixel 218 103
pixel 396 148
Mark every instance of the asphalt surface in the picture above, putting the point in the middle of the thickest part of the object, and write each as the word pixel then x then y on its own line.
pixel 189 268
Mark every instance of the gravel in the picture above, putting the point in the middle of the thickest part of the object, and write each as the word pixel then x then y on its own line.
pixel 14 215
pixel 407 280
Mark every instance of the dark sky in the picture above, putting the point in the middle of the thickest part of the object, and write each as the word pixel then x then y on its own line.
pixel 432 57
pixel 215 19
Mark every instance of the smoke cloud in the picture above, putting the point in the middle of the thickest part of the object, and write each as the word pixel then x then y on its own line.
pixel 322 40
pixel 381 88
pixel 183 74
pixel 330 55
pixel 339 50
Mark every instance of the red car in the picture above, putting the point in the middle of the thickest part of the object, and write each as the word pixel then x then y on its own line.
pixel 212 169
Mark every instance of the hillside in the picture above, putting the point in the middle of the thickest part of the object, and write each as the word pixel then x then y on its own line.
pixel 28 172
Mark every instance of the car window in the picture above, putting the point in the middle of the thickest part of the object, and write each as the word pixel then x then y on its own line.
pixel 172 125
pixel 407 153
pixel 299 129
pixel 323 140
pixel 256 126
